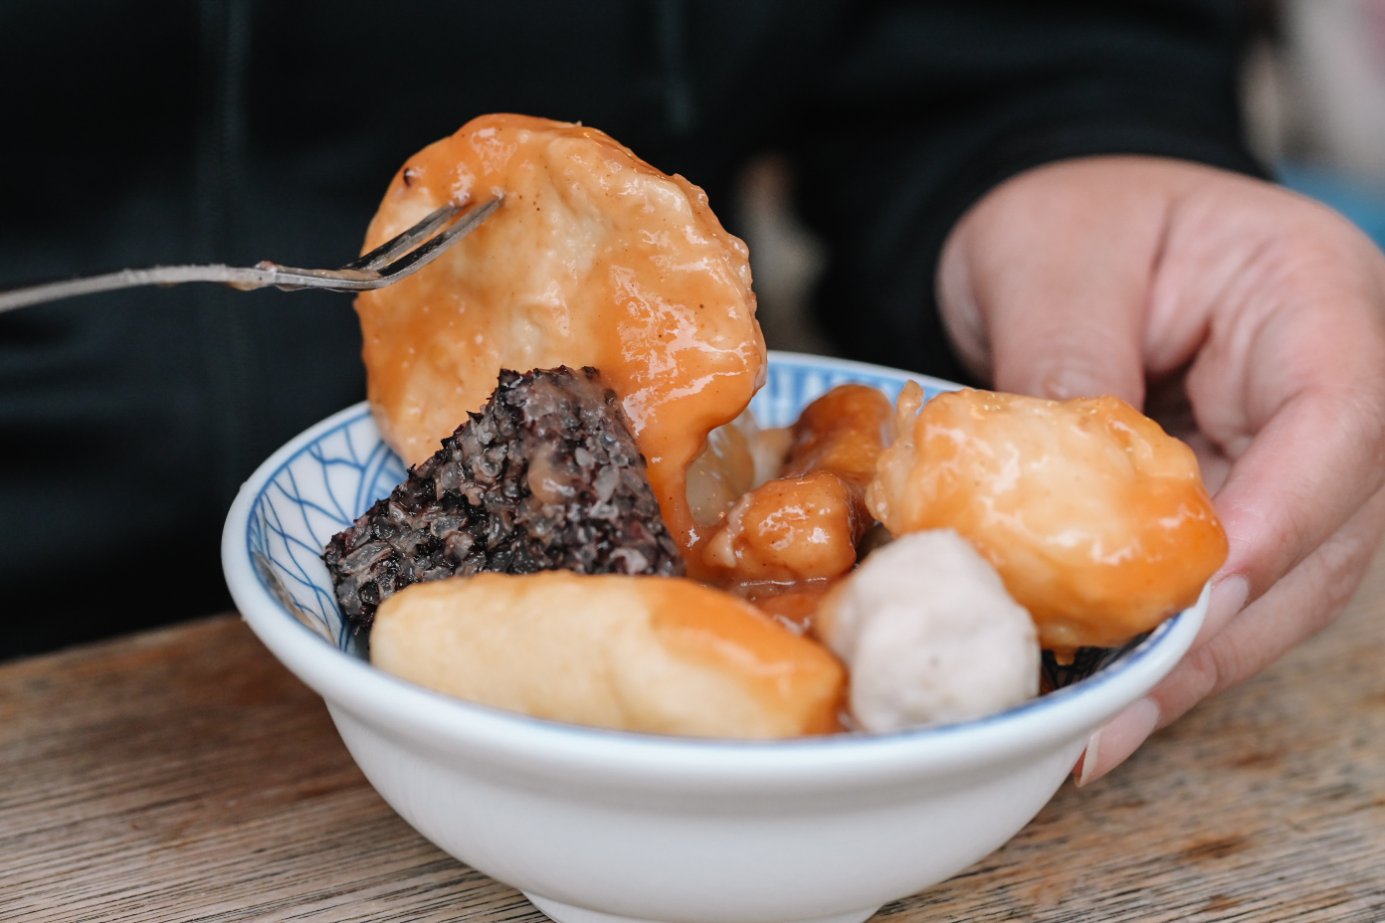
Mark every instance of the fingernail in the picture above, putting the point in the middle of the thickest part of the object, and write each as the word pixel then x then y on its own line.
pixel 1229 596
pixel 1088 376
pixel 1069 381
pixel 1087 762
pixel 1113 743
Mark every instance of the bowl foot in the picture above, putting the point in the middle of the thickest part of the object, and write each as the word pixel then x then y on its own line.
pixel 566 913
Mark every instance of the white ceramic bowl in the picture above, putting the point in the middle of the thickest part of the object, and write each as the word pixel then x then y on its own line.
pixel 597 825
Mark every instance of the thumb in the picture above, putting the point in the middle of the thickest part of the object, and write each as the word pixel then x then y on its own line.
pixel 1043 283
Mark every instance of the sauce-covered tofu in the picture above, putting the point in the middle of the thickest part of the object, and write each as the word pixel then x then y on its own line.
pixel 595 259
pixel 1096 519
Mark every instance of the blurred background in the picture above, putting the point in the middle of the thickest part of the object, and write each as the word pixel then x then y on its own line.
pixel 189 143
pixel 1314 90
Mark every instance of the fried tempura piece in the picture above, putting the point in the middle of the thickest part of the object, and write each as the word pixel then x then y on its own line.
pixel 654 654
pixel 740 456
pixel 806 523
pixel 594 259
pixel 1096 519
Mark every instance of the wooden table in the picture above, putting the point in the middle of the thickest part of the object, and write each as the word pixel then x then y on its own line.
pixel 183 775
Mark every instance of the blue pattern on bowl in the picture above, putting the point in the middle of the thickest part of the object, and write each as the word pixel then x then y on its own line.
pixel 339 467
pixel 318 491
pixel 334 478
pixel 329 482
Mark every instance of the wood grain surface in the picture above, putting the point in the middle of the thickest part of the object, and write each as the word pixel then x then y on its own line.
pixel 183 775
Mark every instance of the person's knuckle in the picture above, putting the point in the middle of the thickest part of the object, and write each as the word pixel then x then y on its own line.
pixel 1197 677
pixel 1343 559
pixel 1359 405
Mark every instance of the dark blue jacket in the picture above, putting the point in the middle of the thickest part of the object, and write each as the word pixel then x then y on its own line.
pixel 158 131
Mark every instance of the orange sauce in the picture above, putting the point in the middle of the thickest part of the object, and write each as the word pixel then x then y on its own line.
pixel 595 258
pixel 709 626
pixel 1097 520
pixel 806 524
pixel 791 604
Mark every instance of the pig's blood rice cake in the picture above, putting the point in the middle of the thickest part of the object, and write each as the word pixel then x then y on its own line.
pixel 546 477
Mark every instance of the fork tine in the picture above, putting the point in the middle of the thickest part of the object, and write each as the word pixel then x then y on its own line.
pixel 404 241
pixel 378 273
pixel 416 259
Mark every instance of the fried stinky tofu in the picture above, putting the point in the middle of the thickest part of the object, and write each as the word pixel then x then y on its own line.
pixel 654 654
pixel 1097 520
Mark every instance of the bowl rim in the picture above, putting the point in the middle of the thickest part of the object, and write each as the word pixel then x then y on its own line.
pixel 458 728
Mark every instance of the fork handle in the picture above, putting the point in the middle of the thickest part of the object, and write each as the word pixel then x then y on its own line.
pixel 245 278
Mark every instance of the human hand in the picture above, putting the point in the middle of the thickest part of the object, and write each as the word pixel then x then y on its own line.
pixel 1251 323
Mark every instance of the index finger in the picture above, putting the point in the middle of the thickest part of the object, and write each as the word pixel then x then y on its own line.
pixel 1294 390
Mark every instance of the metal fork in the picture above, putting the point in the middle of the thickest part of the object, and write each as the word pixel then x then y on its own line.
pixel 393 260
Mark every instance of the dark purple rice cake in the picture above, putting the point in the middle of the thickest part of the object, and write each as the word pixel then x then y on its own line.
pixel 546 477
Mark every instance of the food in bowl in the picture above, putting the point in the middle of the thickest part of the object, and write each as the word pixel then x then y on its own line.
pixel 662 655
pixel 595 259
pixel 1096 519
pixel 929 634
pixel 747 831
pixel 546 476
pixel 807 521
pixel 599 260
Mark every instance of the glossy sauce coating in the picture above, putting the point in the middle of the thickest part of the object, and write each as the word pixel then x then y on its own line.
pixel 595 258
pixel 791 604
pixel 843 431
pixel 784 670
pixel 721 474
pixel 653 654
pixel 1097 520
pixel 806 524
